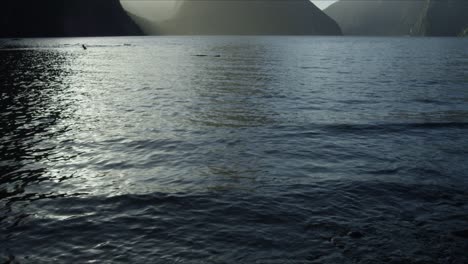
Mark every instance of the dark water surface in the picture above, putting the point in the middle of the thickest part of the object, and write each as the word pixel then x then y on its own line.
pixel 234 150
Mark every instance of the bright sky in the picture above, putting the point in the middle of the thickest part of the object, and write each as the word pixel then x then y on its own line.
pixel 322 4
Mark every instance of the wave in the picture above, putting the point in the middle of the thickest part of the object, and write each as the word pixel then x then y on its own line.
pixel 391 127
pixel 292 221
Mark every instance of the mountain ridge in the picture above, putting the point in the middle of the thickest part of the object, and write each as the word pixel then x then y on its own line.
pixel 70 18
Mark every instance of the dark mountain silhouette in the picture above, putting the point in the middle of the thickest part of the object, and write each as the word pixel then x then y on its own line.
pixel 247 17
pixel 401 17
pixel 443 18
pixel 376 17
pixel 57 18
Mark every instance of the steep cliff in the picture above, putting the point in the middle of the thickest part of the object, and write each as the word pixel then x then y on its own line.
pixel 247 17
pixel 57 18
pixel 401 17
pixel 443 18
pixel 376 17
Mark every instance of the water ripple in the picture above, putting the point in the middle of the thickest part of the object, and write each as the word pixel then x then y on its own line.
pixel 269 150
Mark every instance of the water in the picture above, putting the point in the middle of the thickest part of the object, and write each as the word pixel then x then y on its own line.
pixel 234 150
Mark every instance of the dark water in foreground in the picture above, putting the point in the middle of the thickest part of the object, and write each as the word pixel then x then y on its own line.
pixel 266 150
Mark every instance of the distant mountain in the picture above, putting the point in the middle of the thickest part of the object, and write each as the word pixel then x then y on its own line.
pixel 376 17
pixel 443 18
pixel 247 17
pixel 400 17
pixel 64 18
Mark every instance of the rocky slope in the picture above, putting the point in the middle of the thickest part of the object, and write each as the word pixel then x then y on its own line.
pixel 59 18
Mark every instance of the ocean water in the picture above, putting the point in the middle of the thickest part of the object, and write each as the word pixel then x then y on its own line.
pixel 234 150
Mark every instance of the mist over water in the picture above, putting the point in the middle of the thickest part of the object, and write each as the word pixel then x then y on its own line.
pixel 234 150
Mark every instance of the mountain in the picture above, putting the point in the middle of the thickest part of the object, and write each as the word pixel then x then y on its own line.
pixel 376 17
pixel 443 18
pixel 65 18
pixel 248 17
pixel 149 27
pixel 401 17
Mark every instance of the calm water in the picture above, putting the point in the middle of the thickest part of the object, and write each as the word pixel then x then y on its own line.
pixel 234 150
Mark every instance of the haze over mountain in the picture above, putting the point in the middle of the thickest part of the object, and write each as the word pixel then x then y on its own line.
pixel 244 17
pixel 64 18
pixel 400 17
